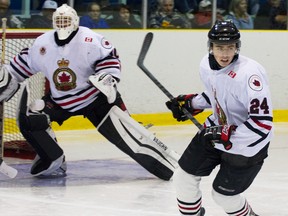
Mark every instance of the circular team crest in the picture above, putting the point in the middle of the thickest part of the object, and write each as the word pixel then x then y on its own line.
pixel 64 78
pixel 106 44
pixel 255 83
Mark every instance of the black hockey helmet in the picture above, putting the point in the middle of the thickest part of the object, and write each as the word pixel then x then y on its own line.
pixel 224 32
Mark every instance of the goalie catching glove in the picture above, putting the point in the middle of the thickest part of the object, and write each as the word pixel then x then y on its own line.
pixel 8 85
pixel 219 133
pixel 177 104
pixel 106 83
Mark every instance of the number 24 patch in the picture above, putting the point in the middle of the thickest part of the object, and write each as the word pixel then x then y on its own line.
pixel 257 106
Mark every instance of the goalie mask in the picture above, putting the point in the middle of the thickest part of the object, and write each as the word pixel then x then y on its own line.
pixel 65 21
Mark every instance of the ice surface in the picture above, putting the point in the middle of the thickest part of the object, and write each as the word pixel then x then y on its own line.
pixel 102 181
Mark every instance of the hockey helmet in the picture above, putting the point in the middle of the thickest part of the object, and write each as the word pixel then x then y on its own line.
pixel 65 21
pixel 224 32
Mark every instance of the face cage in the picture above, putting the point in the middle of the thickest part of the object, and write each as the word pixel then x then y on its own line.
pixel 63 22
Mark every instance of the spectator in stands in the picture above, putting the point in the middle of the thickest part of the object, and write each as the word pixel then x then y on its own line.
pixel 123 18
pixel 93 18
pixel 5 12
pixel 44 19
pixel 253 7
pixel 203 17
pixel 239 15
pixel 187 7
pixel 168 17
pixel 278 14
pixel 41 2
pixel 223 6
pixel 261 21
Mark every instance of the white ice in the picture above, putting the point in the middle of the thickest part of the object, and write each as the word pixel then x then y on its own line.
pixel 102 181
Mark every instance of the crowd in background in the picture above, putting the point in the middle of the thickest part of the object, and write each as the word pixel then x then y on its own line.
pixel 165 14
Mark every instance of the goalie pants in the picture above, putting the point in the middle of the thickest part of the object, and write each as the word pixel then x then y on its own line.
pixel 96 112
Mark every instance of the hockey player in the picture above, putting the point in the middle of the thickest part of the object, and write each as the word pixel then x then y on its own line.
pixel 83 69
pixel 237 134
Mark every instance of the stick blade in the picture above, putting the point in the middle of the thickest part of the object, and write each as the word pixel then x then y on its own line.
pixel 7 170
pixel 145 47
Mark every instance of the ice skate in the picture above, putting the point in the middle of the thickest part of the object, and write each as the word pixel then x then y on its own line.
pixel 56 168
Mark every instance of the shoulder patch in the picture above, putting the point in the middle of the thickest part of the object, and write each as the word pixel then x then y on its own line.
pixel 88 39
pixel 106 44
pixel 255 83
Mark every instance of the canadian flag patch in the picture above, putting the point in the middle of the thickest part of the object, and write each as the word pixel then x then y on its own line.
pixel 88 39
pixel 232 74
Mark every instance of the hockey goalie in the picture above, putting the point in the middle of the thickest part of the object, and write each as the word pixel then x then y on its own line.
pixel 83 70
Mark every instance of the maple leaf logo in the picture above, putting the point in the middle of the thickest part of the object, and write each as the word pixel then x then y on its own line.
pixel 256 83
pixel 64 77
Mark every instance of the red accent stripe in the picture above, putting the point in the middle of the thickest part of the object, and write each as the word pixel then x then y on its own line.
pixel 190 208
pixel 267 127
pixel 78 99
pixel 29 74
pixel 244 212
pixel 108 63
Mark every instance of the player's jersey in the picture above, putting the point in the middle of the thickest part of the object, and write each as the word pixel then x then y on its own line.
pixel 68 67
pixel 238 95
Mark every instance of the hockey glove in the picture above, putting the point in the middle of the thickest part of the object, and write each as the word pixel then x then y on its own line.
pixel 220 133
pixel 107 84
pixel 8 85
pixel 182 101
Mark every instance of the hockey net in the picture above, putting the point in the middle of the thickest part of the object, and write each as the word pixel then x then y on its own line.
pixel 13 143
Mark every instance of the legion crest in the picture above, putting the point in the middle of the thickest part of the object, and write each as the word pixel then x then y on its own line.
pixel 64 78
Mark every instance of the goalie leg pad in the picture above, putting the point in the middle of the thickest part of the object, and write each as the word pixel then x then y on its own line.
pixel 136 141
pixel 36 129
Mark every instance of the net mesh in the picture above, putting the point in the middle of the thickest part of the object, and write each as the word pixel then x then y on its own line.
pixel 13 143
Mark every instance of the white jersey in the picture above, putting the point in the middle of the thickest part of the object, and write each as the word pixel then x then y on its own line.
pixel 68 67
pixel 238 95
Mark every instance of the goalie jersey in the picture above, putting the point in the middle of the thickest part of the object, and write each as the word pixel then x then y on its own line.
pixel 238 95
pixel 67 69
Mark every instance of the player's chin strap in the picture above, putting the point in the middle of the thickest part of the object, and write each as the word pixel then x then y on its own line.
pixel 106 83
pixel 139 143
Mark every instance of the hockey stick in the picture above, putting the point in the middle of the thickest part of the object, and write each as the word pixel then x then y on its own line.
pixel 140 62
pixel 4 168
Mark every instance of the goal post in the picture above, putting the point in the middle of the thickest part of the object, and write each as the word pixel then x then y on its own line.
pixel 13 143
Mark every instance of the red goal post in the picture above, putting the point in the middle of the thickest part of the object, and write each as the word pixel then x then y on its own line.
pixel 13 143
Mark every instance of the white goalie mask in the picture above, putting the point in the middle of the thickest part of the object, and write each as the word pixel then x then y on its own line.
pixel 65 21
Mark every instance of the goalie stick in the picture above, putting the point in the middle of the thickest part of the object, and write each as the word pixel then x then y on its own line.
pixel 4 168
pixel 144 50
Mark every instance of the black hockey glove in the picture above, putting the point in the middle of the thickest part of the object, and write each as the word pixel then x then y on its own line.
pixel 182 101
pixel 220 133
